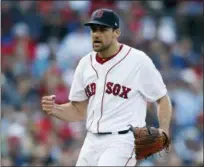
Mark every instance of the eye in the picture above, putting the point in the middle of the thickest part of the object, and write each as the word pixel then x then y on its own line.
pixel 93 29
pixel 104 29
pixel 100 29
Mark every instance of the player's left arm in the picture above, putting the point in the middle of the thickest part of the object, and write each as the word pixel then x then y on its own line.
pixel 153 88
pixel 164 111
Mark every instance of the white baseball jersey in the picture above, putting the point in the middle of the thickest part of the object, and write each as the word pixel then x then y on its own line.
pixel 118 90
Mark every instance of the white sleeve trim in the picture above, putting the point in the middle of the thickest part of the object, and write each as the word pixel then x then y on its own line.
pixel 77 98
pixel 163 93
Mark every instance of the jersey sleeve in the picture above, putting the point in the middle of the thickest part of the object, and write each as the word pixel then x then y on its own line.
pixel 151 84
pixel 77 92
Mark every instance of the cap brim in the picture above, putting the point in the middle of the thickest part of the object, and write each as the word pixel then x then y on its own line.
pixel 96 23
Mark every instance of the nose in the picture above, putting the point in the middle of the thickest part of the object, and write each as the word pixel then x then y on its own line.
pixel 96 34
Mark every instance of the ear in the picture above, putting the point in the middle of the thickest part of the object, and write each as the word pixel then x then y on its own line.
pixel 117 33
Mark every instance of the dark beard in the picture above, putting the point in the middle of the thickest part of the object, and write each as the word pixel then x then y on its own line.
pixel 103 48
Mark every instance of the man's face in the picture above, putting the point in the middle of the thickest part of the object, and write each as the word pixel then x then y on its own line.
pixel 102 37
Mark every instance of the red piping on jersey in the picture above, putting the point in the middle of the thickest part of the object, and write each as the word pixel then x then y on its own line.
pixel 103 60
pixel 105 87
pixel 130 157
pixel 93 66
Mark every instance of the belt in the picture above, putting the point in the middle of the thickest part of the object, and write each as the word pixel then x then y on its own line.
pixel 119 132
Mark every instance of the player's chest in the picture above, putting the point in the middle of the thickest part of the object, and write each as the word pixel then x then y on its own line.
pixel 118 82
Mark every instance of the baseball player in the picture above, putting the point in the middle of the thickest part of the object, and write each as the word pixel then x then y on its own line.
pixel 110 89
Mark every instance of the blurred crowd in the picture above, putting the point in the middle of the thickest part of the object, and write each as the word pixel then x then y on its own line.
pixel 41 44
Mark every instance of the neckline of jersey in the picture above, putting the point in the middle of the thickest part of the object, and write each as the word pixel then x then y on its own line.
pixel 102 60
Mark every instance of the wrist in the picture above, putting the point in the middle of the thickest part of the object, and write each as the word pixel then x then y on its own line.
pixel 165 130
pixel 54 109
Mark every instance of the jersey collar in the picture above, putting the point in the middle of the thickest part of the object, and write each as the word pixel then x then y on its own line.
pixel 102 60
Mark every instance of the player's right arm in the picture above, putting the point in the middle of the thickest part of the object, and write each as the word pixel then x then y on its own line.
pixel 70 112
pixel 76 109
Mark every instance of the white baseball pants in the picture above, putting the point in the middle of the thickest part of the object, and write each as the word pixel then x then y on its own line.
pixel 107 150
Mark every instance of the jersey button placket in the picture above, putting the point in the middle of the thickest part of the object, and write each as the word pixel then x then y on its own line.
pixel 102 84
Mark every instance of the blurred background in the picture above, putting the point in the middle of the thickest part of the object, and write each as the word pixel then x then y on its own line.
pixel 41 44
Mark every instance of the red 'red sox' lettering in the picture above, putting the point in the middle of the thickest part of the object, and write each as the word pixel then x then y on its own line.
pixel 117 90
pixel 111 88
pixel 90 90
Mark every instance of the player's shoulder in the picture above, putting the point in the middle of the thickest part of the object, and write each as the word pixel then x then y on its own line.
pixel 139 56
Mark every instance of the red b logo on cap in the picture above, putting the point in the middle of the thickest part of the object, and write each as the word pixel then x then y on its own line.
pixel 99 14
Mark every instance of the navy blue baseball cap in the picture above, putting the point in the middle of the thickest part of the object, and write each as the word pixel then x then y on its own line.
pixel 105 17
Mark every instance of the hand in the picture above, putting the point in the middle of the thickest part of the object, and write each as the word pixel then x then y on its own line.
pixel 48 104
pixel 166 132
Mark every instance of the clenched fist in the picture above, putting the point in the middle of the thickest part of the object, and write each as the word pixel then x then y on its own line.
pixel 48 104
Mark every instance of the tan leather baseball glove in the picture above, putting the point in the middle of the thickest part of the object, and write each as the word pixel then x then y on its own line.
pixel 148 141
